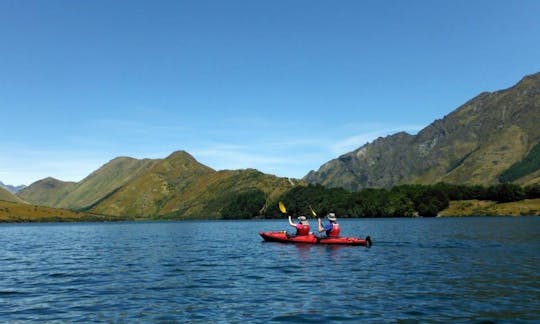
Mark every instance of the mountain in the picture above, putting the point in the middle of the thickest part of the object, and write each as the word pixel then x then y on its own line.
pixel 46 192
pixel 12 189
pixel 492 138
pixel 5 195
pixel 79 195
pixel 104 181
pixel 148 193
pixel 176 187
pixel 181 187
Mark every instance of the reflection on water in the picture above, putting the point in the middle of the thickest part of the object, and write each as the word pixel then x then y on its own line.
pixel 445 270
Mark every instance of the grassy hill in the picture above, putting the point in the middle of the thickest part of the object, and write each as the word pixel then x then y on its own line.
pixel 485 208
pixel 176 187
pixel 104 182
pixel 148 193
pixel 8 196
pixel 179 187
pixel 215 191
pixel 46 192
pixel 20 212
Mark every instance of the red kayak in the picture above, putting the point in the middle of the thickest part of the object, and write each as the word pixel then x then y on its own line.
pixel 312 239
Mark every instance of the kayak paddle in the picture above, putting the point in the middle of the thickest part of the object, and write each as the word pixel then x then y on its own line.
pixel 312 211
pixel 282 208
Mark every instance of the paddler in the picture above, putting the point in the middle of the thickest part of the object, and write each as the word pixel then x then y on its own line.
pixel 302 228
pixel 331 228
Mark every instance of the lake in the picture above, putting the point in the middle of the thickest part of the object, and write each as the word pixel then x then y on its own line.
pixel 422 269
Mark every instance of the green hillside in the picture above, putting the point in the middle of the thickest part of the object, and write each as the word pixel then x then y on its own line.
pixel 214 192
pixel 46 192
pixel 180 187
pixel 147 194
pixel 529 164
pixel 492 208
pixel 104 181
pixel 176 187
pixel 20 212
pixel 8 196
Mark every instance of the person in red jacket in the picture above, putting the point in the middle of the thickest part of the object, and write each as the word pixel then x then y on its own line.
pixel 331 228
pixel 302 228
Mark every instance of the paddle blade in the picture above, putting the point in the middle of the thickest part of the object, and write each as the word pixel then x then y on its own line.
pixel 282 207
pixel 313 212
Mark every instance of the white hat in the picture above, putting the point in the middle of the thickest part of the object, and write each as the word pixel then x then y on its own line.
pixel 331 217
pixel 303 220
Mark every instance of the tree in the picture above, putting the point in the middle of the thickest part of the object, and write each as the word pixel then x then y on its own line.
pixel 532 191
pixel 506 192
pixel 244 205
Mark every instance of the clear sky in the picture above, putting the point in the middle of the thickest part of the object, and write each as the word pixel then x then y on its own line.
pixel 280 86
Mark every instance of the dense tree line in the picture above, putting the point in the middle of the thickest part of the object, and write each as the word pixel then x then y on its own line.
pixel 400 201
pixel 244 205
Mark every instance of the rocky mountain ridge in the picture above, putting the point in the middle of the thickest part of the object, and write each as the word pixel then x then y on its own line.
pixel 474 144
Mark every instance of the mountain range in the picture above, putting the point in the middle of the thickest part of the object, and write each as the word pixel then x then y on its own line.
pixel 174 187
pixel 492 138
pixel 12 189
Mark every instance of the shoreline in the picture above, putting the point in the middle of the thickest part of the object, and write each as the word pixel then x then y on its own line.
pixel 16 213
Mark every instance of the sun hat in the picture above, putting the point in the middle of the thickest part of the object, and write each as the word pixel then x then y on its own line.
pixel 331 217
pixel 303 220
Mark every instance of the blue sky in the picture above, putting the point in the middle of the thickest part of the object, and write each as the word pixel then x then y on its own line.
pixel 281 86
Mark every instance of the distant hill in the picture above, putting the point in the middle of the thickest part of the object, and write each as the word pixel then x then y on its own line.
pixel 176 187
pixel 8 196
pixel 46 192
pixel 492 138
pixel 12 189
pixel 104 182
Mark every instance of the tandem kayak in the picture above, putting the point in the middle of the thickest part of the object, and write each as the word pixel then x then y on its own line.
pixel 283 237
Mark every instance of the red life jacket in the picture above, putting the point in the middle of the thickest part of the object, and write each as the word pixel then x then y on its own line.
pixel 302 229
pixel 334 232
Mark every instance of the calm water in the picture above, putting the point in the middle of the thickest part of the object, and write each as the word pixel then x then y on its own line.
pixel 467 270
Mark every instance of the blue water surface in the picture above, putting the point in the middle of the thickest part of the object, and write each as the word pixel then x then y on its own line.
pixel 444 269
